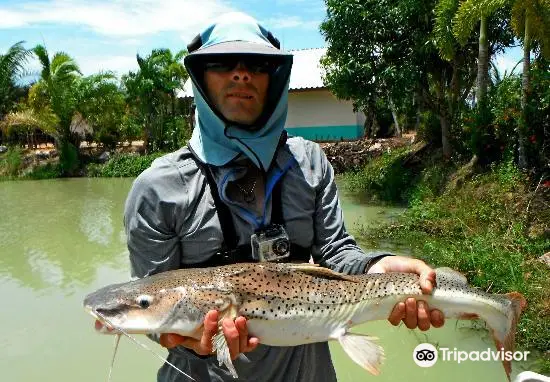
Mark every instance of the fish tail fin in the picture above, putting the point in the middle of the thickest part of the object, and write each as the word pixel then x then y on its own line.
pixel 506 340
pixel 363 351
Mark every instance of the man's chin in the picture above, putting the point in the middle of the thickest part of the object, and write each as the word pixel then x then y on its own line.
pixel 243 122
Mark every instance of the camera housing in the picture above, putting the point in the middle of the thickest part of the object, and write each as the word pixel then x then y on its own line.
pixel 270 243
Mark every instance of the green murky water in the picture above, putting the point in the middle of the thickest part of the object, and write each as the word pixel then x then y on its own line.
pixel 60 239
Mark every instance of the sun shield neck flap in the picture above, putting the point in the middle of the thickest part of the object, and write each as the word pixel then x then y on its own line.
pixel 216 143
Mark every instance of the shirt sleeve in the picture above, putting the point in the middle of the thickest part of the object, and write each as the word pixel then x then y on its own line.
pixel 153 212
pixel 152 241
pixel 334 247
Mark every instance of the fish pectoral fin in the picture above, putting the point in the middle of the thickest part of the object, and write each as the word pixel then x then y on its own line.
pixel 363 350
pixel 317 271
pixel 219 343
pixel 222 352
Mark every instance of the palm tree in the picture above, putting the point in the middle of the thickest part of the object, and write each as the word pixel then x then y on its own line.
pixel 57 88
pixel 12 67
pixel 58 79
pixel 152 90
pixel 469 13
pixel 530 21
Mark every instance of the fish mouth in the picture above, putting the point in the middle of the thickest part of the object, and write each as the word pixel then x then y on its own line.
pixel 103 316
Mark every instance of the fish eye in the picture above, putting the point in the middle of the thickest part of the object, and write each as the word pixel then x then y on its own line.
pixel 144 301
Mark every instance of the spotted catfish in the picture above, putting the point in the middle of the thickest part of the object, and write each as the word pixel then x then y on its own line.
pixel 293 304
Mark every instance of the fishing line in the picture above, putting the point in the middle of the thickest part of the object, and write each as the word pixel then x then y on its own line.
pixel 117 341
pixel 142 345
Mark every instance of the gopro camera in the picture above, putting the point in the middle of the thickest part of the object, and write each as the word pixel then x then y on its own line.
pixel 270 243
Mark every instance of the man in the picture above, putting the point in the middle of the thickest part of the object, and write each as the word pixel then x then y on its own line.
pixel 200 205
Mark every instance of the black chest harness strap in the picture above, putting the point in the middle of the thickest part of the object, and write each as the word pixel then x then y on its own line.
pixel 231 252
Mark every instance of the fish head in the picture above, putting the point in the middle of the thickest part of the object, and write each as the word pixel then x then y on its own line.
pixel 144 306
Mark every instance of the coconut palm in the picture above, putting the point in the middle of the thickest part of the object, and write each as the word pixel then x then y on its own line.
pixel 12 68
pixel 56 87
pixel 52 98
pixel 152 92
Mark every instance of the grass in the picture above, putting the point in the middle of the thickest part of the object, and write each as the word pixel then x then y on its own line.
pixel 386 179
pixel 493 228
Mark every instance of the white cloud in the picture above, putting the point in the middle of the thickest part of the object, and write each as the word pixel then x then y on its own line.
pixel 10 19
pixel 131 41
pixel 118 64
pixel 116 18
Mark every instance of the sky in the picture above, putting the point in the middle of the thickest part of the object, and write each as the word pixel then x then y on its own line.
pixel 106 35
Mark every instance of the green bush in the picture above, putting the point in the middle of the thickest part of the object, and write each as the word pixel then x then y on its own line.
pixel 384 178
pixel 122 165
pixel 11 162
pixel 47 171
pixel 390 178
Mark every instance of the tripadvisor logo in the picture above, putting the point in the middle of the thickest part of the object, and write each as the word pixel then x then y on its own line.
pixel 426 355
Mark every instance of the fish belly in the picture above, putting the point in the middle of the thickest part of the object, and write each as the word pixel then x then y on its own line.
pixel 319 324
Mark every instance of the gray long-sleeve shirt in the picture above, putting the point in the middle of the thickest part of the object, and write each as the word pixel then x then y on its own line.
pixel 171 222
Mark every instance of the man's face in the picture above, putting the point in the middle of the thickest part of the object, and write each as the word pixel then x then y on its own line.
pixel 237 90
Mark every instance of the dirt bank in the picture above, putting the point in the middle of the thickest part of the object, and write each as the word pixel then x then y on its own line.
pixel 343 155
pixel 352 155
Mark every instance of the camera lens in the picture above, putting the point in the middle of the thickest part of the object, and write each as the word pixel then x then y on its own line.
pixel 280 246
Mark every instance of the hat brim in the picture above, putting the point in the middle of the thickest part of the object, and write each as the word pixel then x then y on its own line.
pixel 240 47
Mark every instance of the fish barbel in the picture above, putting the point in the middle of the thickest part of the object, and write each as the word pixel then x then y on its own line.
pixel 293 304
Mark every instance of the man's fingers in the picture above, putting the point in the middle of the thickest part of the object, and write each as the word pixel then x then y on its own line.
pixel 397 314
pixel 100 327
pixel 253 342
pixel 427 279
pixel 423 316
pixel 437 318
pixel 240 323
pixel 211 323
pixel 410 313
pixel 232 337
pixel 171 340
pixel 210 330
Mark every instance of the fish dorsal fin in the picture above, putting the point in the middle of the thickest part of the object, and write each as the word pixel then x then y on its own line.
pixel 450 275
pixel 317 271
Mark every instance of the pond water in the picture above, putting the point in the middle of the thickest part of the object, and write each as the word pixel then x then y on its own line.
pixel 61 239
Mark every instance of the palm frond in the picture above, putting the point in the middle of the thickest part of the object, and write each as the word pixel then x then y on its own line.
pixel 470 12
pixel 29 119
pixel 42 55
pixel 443 31
pixel 12 63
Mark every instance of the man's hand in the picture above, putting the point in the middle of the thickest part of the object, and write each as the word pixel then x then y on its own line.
pixel 413 313
pixel 235 332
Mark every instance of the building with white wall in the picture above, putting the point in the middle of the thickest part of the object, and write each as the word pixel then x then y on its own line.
pixel 313 111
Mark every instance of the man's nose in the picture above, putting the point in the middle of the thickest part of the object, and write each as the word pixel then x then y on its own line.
pixel 241 73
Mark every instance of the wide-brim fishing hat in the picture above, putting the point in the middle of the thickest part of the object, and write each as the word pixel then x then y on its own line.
pixel 234 33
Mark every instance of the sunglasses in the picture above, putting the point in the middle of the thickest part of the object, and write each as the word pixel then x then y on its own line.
pixel 254 65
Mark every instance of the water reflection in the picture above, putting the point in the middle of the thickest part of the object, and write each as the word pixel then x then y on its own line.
pixel 43 270
pixel 54 234
pixel 95 220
